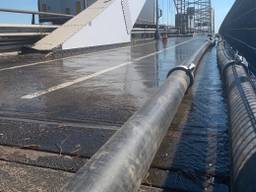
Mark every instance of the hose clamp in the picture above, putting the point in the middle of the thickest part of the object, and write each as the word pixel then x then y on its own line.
pixel 233 62
pixel 187 69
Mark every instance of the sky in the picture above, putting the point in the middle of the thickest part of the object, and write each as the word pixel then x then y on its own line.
pixel 221 9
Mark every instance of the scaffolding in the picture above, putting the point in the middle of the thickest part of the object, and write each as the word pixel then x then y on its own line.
pixel 194 16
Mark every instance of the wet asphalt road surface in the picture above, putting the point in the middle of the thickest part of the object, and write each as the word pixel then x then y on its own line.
pixel 109 98
pixel 55 115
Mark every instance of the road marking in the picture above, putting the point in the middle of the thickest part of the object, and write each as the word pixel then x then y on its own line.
pixel 62 123
pixel 74 56
pixel 87 77
pixel 9 54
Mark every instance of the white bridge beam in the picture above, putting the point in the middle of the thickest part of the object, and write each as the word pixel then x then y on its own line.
pixel 105 22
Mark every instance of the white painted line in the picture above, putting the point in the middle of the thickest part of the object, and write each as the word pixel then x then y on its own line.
pixel 67 84
pixel 87 77
pixel 9 54
pixel 74 56
pixel 27 65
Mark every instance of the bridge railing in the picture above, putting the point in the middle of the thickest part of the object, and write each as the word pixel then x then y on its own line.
pixel 33 13
pixel 15 36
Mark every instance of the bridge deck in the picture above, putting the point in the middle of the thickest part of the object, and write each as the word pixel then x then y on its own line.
pixel 56 114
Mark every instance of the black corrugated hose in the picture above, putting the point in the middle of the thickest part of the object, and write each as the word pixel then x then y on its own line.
pixel 241 94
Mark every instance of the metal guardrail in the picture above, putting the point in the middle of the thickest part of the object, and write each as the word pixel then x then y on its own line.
pixel 17 41
pixel 33 13
pixel 14 37
pixel 143 30
pixel 18 28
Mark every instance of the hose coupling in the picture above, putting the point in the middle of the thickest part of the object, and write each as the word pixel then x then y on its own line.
pixel 189 69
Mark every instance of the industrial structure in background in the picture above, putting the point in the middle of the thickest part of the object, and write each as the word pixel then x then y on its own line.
pixel 191 15
pixel 136 20
pixel 74 7
pixel 194 16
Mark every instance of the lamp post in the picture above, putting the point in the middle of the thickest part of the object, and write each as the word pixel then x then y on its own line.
pixel 157 35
